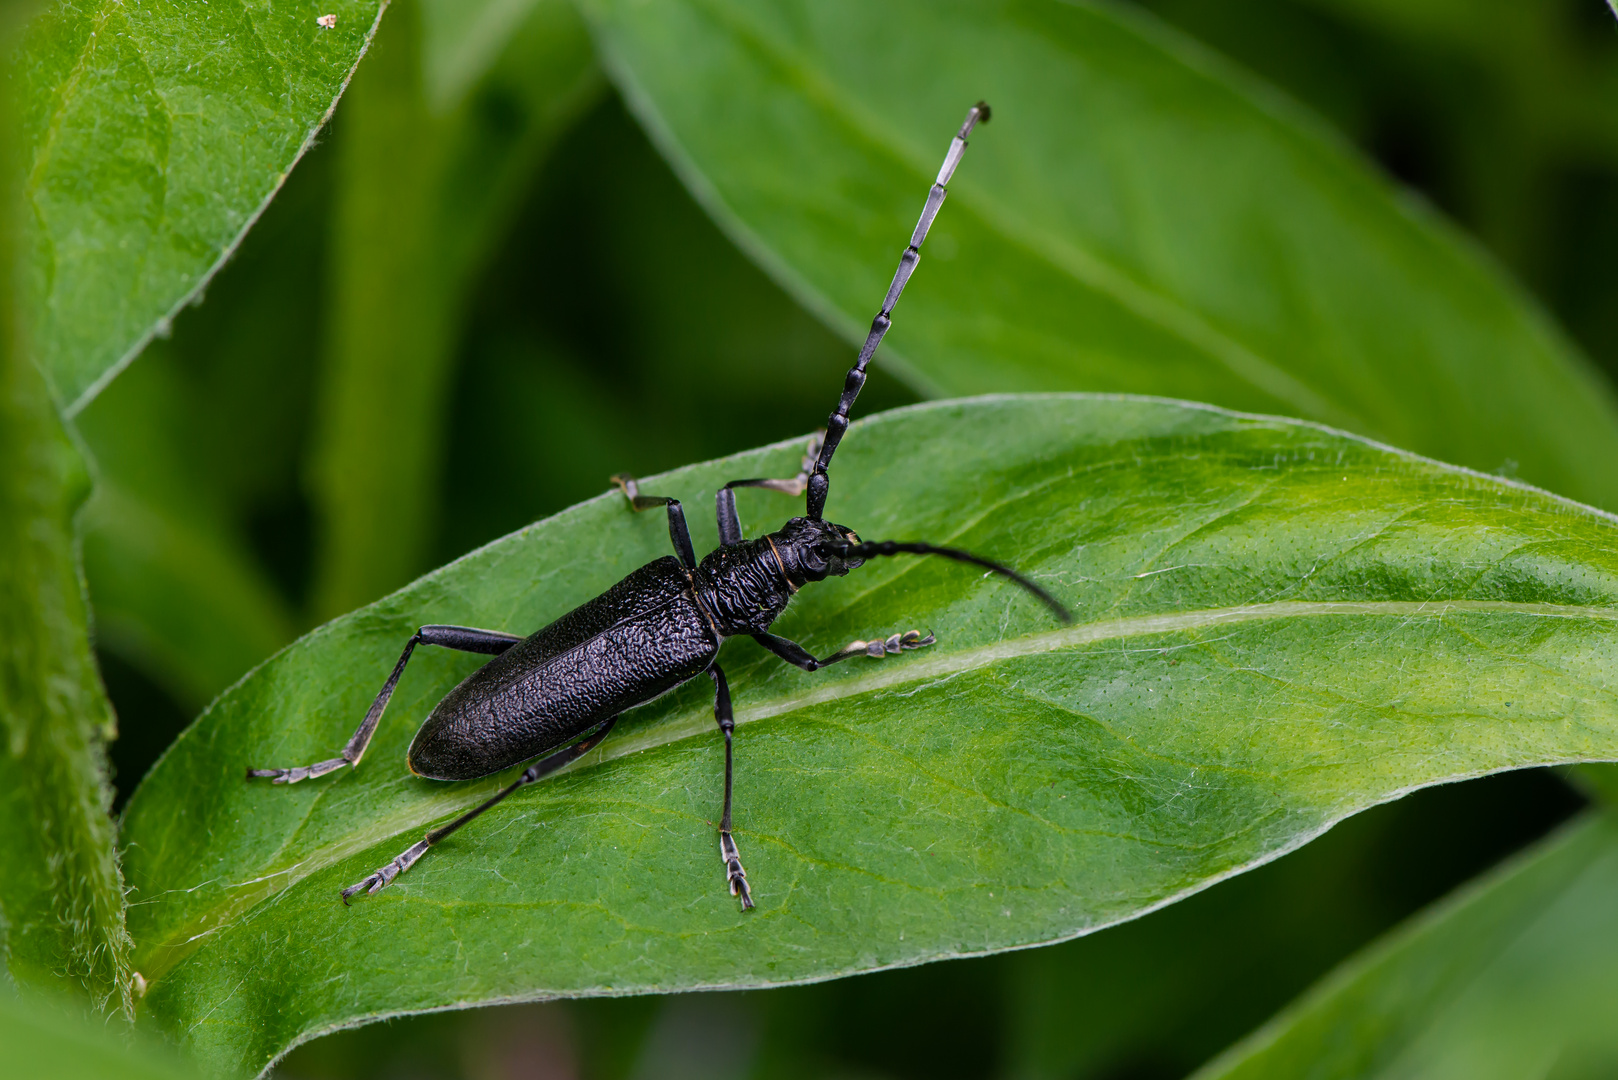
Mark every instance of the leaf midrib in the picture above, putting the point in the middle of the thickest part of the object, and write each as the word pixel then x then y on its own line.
pixel 162 956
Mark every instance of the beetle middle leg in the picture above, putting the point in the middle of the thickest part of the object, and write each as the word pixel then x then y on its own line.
pixel 797 655
pixel 460 638
pixel 727 844
pixel 679 535
pixel 537 771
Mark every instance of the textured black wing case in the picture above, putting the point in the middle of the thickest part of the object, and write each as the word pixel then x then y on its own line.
pixel 640 638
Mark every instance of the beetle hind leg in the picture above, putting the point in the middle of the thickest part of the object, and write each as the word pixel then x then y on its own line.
pixel 299 772
pixel 375 882
pixel 733 869
pixel 382 878
pixel 732 858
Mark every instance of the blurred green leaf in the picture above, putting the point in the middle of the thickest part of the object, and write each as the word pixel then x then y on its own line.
pixel 154 136
pixel 462 39
pixel 423 191
pixel 1598 782
pixel 180 598
pixel 1505 115
pixel 43 1042
pixel 1514 977
pixel 1528 97
pixel 191 539
pixel 176 590
pixel 1138 217
pixel 61 898
pixel 1279 625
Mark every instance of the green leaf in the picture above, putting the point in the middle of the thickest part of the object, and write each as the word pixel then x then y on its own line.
pixel 61 896
pixel 174 586
pixel 1515 976
pixel 1165 994
pixel 1176 988
pixel 462 39
pixel 1598 782
pixel 1278 625
pixel 48 1043
pixel 180 598
pixel 424 186
pixel 61 900
pixel 1138 217
pixel 194 450
pixel 154 135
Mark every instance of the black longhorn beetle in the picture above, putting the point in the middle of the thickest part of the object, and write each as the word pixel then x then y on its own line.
pixel 657 628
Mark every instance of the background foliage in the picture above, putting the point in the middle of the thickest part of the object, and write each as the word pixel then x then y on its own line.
pixel 485 287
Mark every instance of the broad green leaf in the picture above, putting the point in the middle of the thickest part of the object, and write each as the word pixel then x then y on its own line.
pixel 1514 977
pixel 61 895
pixel 1137 217
pixel 1278 625
pixel 154 136
pixel 46 1042
pixel 424 187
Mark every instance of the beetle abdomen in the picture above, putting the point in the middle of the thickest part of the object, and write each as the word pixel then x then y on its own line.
pixel 642 637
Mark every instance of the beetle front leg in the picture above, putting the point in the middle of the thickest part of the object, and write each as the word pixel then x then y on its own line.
pixel 730 526
pixel 460 638
pixel 798 656
pixel 727 843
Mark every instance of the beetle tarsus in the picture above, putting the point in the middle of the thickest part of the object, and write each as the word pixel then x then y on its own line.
pixel 733 869
pixel 376 882
pixel 299 772
pixel 894 644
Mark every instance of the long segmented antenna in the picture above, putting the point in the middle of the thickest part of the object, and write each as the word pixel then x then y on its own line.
pixel 869 548
pixel 838 423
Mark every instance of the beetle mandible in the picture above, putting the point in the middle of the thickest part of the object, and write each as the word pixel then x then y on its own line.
pixel 657 628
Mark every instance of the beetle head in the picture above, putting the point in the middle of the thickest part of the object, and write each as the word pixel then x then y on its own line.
pixel 809 549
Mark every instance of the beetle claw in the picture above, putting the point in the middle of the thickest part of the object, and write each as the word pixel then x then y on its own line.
pixel 352 889
pixel 733 869
pixel 376 882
